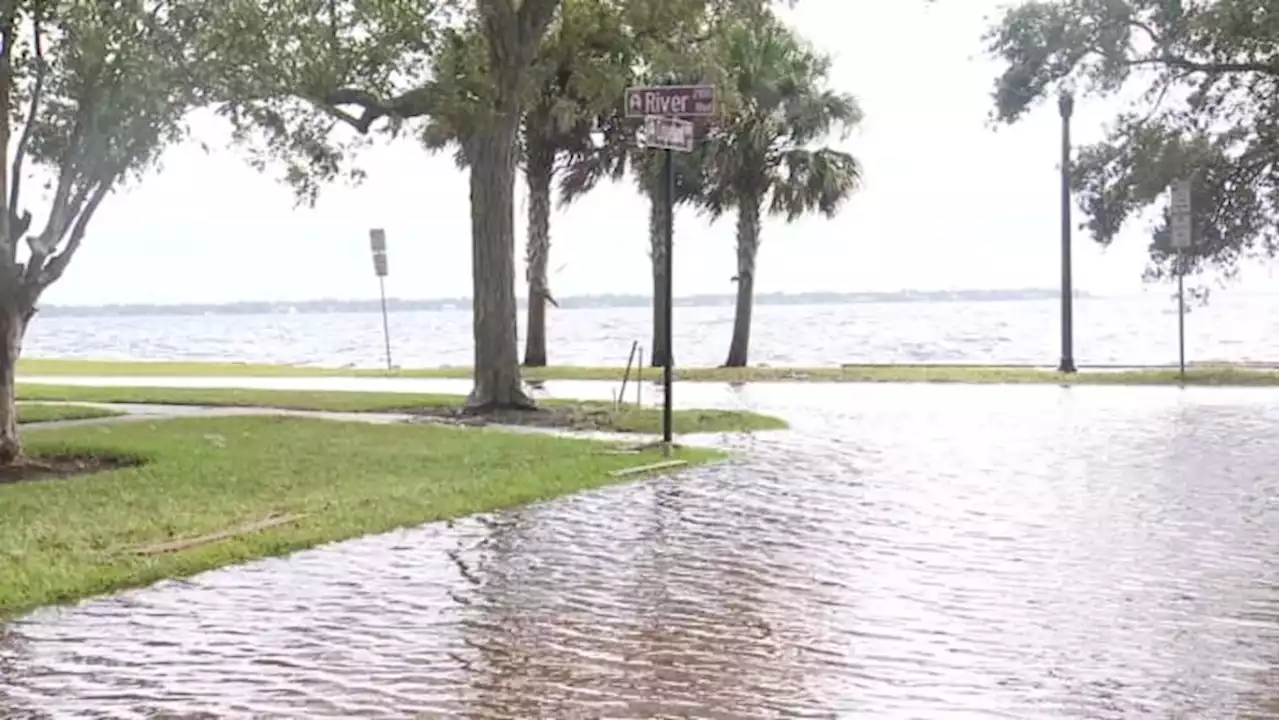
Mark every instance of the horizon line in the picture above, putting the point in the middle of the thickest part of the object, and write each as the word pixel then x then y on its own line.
pixel 1078 292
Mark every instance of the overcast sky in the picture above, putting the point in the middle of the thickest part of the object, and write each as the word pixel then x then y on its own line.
pixel 948 202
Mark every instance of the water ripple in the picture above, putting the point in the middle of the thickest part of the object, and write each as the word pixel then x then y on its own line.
pixel 903 553
pixel 1137 330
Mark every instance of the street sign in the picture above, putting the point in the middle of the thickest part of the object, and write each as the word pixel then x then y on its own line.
pixel 667 111
pixel 668 133
pixel 378 243
pixel 672 101
pixel 1180 214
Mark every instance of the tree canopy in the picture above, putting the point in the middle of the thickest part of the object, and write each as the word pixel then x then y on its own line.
pixel 90 94
pixel 1205 78
pixel 94 92
pixel 304 82
pixel 761 150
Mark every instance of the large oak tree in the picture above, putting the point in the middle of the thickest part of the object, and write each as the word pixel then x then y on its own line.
pixel 355 64
pixel 1205 77
pixel 304 67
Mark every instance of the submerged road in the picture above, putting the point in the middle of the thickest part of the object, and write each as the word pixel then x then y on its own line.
pixel 905 551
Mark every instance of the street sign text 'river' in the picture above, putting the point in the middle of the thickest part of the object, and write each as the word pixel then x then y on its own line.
pixel 672 101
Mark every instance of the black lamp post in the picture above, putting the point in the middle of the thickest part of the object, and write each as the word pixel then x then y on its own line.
pixel 1065 105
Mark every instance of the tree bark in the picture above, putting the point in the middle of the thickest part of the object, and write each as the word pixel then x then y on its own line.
pixel 657 252
pixel 13 325
pixel 492 157
pixel 748 244
pixel 539 169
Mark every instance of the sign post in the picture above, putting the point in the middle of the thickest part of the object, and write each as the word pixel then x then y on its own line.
pixel 378 244
pixel 1180 239
pixel 667 110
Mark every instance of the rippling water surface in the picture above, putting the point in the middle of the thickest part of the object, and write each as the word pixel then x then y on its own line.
pixel 902 552
pixel 1139 330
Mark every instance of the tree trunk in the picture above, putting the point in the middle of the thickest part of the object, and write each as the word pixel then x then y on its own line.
pixel 13 325
pixel 657 253
pixel 492 157
pixel 748 244
pixel 540 166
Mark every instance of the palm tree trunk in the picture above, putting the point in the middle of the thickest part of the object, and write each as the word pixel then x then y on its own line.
pixel 540 166
pixel 492 157
pixel 657 252
pixel 748 244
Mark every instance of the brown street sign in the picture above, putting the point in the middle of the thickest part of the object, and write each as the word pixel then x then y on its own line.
pixel 380 264
pixel 672 101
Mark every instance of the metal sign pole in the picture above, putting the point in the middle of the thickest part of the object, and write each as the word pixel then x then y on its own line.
pixel 1180 239
pixel 378 245
pixel 386 328
pixel 668 230
pixel 1182 334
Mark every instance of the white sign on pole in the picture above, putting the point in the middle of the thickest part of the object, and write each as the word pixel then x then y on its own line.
pixel 1180 214
pixel 378 244
pixel 668 133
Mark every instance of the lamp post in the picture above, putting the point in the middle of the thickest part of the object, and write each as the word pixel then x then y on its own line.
pixel 1066 103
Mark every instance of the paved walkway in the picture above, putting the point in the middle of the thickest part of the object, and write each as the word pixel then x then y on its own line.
pixel 135 412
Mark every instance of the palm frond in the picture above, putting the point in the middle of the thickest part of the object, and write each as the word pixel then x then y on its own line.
pixel 812 180
pixel 761 149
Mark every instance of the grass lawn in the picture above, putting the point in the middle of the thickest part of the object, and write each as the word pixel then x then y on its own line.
pixel 1207 374
pixel 33 413
pixel 570 414
pixel 67 538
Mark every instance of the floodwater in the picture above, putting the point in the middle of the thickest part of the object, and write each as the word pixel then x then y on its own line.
pixel 902 552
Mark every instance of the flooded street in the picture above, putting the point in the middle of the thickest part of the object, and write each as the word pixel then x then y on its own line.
pixel 905 551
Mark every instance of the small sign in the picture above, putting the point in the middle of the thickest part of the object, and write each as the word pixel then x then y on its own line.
pixel 378 243
pixel 1180 214
pixel 668 133
pixel 672 101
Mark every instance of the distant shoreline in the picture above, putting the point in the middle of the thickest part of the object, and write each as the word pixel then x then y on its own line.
pixel 567 303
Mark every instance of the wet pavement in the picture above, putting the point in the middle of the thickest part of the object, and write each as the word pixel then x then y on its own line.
pixel 903 552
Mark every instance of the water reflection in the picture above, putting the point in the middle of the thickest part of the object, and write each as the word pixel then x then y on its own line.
pixel 902 552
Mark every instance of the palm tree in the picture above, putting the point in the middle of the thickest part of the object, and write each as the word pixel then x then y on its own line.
pixel 610 159
pixel 760 156
pixel 581 70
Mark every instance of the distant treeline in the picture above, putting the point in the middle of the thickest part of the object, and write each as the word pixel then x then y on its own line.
pixel 567 303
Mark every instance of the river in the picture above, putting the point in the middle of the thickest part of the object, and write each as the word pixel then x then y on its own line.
pixel 904 551
pixel 1132 331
